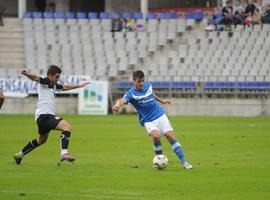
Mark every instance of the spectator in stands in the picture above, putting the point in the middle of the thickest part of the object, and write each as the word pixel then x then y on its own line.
pixel 266 16
pixel 129 24
pixel 2 11
pixel 41 5
pixel 227 7
pixel 257 17
pixel 249 19
pixel 117 24
pixel 214 20
pixel 238 7
pixel 250 8
pixel 259 5
pixel 2 97
pixel 228 17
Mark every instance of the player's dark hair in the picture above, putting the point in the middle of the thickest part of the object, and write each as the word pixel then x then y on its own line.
pixel 53 69
pixel 138 74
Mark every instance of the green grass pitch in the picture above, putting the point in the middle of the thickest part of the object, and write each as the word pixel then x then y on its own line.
pixel 114 160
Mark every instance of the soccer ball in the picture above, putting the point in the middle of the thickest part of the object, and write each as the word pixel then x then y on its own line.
pixel 160 161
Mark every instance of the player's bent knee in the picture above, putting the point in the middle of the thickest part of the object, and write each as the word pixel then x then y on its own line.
pixel 155 136
pixel 170 136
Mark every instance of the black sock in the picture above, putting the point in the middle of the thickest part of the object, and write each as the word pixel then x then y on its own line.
pixel 65 139
pixel 1 102
pixel 30 146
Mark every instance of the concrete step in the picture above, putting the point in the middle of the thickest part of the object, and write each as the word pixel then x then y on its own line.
pixel 11 22
pixel 12 48
pixel 11 34
pixel 12 41
pixel 9 55
pixel 12 65
pixel 6 61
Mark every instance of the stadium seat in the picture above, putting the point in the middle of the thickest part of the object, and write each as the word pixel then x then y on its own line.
pixel 173 15
pixel 198 16
pixel 27 15
pixel 161 84
pixel 126 15
pixel 70 15
pixel 81 15
pixel 183 85
pixel 162 15
pixel 92 15
pixel 124 85
pixel 58 15
pixel 150 15
pixel 104 15
pixel 138 15
pixel 37 15
pixel 114 15
pixel 48 15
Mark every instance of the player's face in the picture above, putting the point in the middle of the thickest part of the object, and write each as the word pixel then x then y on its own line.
pixel 54 78
pixel 138 83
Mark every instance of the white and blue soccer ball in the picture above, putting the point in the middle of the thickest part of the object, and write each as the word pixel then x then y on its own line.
pixel 160 161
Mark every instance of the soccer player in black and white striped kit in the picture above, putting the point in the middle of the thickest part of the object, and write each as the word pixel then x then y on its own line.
pixel 45 113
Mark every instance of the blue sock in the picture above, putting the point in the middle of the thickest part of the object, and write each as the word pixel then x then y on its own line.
pixel 157 147
pixel 178 150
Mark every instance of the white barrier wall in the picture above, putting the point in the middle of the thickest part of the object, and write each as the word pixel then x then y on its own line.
pixel 188 107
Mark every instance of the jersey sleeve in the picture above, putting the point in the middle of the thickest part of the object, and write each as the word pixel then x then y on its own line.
pixel 127 96
pixel 59 87
pixel 44 81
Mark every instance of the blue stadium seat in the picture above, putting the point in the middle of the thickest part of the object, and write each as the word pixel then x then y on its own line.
pixel 92 15
pixel 70 15
pixel 209 85
pixel 37 15
pixel 126 15
pixel 173 15
pixel 59 15
pixel 183 85
pixel 81 15
pixel 124 85
pixel 254 85
pixel 162 15
pixel 104 15
pixel 150 15
pixel 27 15
pixel 48 15
pixel 221 85
pixel 114 15
pixel 138 15
pixel 198 16
pixel 161 84
pixel 190 15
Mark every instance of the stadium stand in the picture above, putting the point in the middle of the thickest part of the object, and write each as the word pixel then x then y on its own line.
pixel 175 52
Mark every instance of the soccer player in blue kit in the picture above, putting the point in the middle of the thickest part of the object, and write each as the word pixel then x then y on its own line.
pixel 151 115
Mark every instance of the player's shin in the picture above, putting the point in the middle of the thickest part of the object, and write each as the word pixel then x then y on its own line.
pixel 178 150
pixel 64 141
pixel 157 146
pixel 28 148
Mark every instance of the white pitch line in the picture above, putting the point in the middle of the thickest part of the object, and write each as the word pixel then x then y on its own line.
pixel 114 195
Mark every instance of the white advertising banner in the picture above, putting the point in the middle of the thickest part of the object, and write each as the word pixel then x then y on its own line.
pixel 93 98
pixel 14 87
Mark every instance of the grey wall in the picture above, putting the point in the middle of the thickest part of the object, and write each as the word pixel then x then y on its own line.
pixel 186 107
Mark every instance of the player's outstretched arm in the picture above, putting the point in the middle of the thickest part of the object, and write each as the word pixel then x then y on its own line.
pixel 71 87
pixel 163 101
pixel 118 104
pixel 32 77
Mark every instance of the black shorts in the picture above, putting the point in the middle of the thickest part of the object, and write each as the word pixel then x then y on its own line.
pixel 47 122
